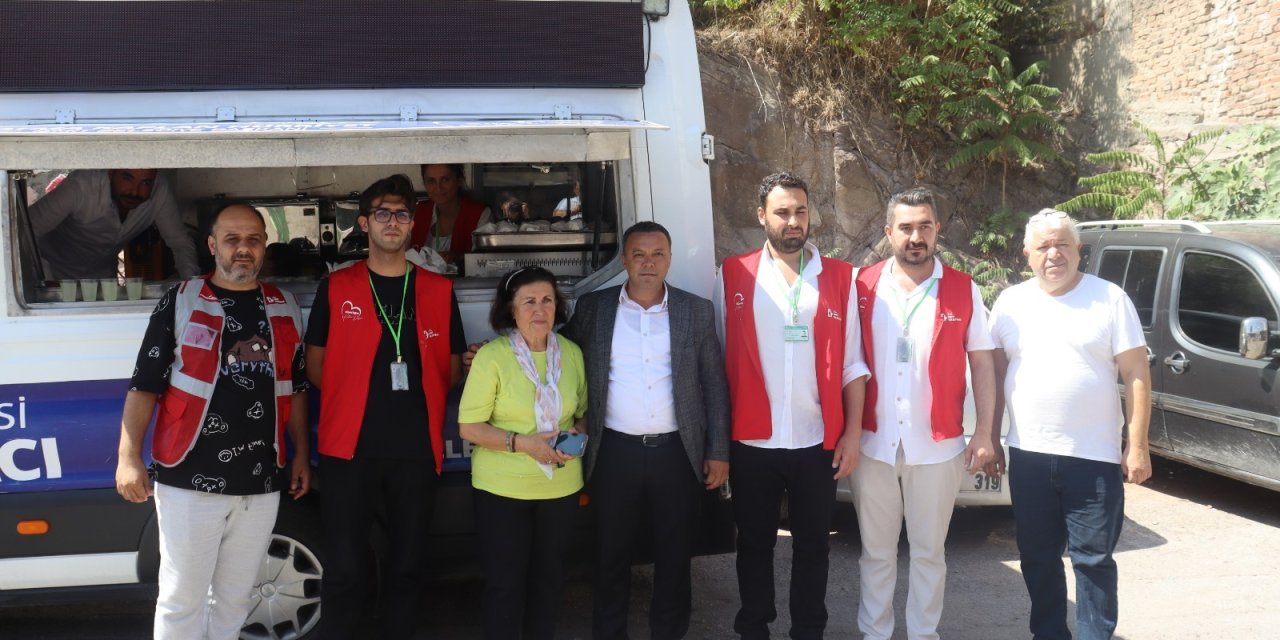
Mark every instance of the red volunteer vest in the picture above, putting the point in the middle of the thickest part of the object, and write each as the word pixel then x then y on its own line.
pixel 752 418
pixel 354 332
pixel 947 355
pixel 198 320
pixel 463 227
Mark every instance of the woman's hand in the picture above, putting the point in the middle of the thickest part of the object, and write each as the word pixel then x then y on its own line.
pixel 538 446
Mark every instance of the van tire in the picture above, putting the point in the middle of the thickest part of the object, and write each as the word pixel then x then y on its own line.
pixel 286 594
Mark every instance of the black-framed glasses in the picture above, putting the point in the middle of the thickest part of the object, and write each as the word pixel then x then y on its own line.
pixel 383 216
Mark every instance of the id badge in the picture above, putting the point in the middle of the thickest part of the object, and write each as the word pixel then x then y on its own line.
pixel 906 346
pixel 795 333
pixel 399 376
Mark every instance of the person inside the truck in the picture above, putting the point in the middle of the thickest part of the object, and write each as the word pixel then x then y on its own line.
pixel 525 389
pixel 447 220
pixel 82 226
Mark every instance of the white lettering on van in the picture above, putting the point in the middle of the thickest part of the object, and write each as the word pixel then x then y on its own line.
pixel 467 447
pixel 7 417
pixel 9 465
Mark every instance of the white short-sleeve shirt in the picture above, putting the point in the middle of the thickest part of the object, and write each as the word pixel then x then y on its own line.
pixel 1061 386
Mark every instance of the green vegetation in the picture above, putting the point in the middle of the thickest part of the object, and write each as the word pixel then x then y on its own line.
pixel 1008 118
pixel 932 56
pixel 1237 177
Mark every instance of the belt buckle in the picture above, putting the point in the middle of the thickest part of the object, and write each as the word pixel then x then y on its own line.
pixel 656 439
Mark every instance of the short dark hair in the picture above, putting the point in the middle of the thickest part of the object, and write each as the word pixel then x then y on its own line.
pixel 397 185
pixel 235 205
pixel 781 179
pixel 646 226
pixel 913 197
pixel 501 318
pixel 455 167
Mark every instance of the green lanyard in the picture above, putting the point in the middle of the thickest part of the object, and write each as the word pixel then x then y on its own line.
pixel 795 291
pixel 906 322
pixel 395 333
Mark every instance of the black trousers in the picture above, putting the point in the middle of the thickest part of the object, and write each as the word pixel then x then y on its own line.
pixel 353 490
pixel 633 486
pixel 523 544
pixel 759 478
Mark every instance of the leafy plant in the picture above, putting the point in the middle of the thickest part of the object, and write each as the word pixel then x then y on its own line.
pixel 992 236
pixel 990 276
pixel 938 47
pixel 1139 184
pixel 1008 120
pixel 1243 184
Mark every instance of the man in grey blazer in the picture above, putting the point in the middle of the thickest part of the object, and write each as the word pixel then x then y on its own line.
pixel 658 420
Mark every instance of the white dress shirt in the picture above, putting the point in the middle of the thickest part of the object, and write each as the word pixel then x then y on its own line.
pixel 905 396
pixel 641 400
pixel 79 231
pixel 790 370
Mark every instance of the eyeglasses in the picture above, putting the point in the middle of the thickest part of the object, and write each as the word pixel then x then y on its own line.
pixel 383 216
pixel 1048 214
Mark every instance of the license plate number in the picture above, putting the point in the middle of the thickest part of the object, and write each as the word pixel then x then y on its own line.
pixel 982 483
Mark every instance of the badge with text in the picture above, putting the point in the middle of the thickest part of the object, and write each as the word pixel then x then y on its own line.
pixel 906 347
pixel 795 333
pixel 399 376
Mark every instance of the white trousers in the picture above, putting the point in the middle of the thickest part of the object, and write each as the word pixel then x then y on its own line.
pixel 211 547
pixel 883 494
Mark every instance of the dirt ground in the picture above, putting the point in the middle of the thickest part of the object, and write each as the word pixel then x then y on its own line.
pixel 1198 559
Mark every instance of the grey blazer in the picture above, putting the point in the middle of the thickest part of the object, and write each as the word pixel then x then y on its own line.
pixel 697 370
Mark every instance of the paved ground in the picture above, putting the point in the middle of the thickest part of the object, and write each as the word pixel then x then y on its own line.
pixel 1198 559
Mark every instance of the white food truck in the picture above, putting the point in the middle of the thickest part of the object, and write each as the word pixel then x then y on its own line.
pixel 293 107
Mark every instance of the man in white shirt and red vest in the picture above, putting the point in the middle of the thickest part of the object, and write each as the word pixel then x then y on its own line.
pixel 922 322
pixel 796 375
pixel 1063 339
pixel 384 344
pixel 658 421
pixel 222 357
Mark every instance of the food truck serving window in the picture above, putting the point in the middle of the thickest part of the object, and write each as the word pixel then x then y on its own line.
pixel 561 215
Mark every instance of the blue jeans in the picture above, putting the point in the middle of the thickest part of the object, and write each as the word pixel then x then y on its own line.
pixel 1065 503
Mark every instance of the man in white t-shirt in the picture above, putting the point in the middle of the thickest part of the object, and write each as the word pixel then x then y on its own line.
pixel 922 323
pixel 1062 340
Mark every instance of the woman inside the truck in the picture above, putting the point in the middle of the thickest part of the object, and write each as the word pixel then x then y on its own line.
pixel 448 219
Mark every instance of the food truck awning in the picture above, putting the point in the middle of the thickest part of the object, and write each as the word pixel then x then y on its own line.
pixel 167 145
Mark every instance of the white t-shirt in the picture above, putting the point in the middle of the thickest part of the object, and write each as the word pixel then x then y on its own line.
pixel 1061 384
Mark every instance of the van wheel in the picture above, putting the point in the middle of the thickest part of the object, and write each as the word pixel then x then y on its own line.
pixel 286 596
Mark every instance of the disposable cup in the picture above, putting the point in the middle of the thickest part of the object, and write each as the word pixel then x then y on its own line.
pixel 110 289
pixel 89 289
pixel 68 290
pixel 133 287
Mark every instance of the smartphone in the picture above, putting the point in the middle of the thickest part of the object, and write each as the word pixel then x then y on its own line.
pixel 573 444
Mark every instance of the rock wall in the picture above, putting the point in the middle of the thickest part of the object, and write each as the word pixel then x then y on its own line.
pixel 851 170
pixel 1176 66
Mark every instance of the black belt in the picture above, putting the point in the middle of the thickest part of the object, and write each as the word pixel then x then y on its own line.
pixel 648 440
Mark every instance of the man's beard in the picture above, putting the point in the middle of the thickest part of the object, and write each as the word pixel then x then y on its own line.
pixel 904 256
pixel 239 274
pixel 783 244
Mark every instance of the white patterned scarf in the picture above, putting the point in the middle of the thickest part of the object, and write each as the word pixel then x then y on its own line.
pixel 546 397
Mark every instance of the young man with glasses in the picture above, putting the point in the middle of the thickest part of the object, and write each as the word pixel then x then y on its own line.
pixel 384 343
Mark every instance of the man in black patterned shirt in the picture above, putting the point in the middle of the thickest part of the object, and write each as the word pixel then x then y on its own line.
pixel 222 358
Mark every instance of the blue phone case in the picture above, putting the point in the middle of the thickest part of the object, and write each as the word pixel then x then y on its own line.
pixel 571 444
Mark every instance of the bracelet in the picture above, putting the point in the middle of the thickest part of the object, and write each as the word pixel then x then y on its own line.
pixel 511 442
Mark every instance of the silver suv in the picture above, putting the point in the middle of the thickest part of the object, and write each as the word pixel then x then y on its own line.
pixel 1207 295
